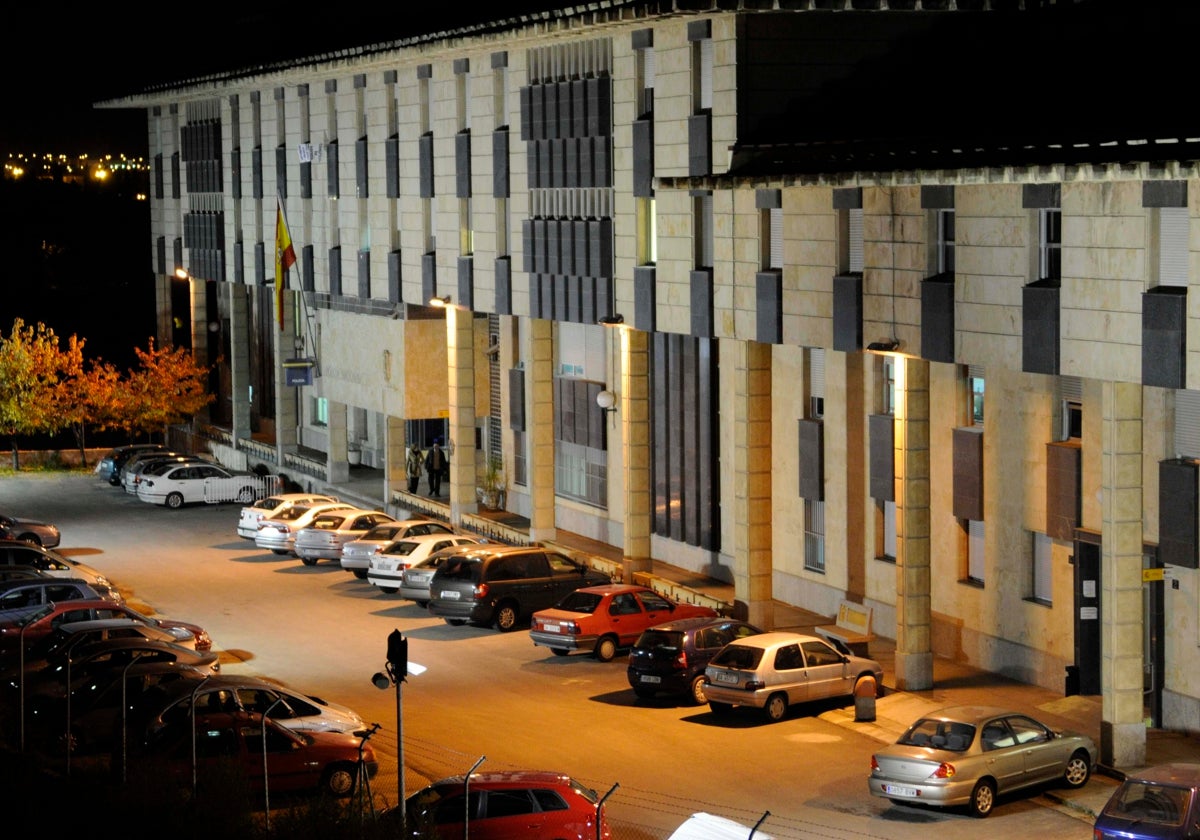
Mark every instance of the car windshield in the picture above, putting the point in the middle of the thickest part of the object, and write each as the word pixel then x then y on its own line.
pixel 403 548
pixel 741 657
pixel 269 503
pixel 1149 802
pixel 29 618
pixel 293 513
pixel 939 735
pixel 580 602
pixel 660 639
pixel 328 523
pixel 381 532
pixel 460 568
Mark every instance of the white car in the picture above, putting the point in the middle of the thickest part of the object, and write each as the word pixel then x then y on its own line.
pixel 132 477
pixel 190 483
pixel 270 506
pixel 357 554
pixel 329 531
pixel 387 568
pixel 278 533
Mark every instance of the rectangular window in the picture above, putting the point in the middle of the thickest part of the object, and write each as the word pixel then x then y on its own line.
pixel 885 530
pixel 975 387
pixel 1172 246
pixel 974 551
pixel 1050 244
pixel 703 230
pixel 771 238
pixel 462 100
pixel 702 75
pixel 425 104
pixel 647 232
pixel 814 536
pixel 320 411
pixel 945 240
pixel 520 460
pixel 581 473
pixel 1042 552
pixel 887 368
pixel 500 94
pixel 645 81
pixel 854 240
pixel 466 231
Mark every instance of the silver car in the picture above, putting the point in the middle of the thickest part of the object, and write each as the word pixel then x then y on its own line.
pixel 357 554
pixel 966 755
pixel 388 567
pixel 270 506
pixel 772 671
pixel 29 530
pixel 329 531
pixel 278 533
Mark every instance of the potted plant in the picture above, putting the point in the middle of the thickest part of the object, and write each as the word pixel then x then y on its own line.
pixel 493 486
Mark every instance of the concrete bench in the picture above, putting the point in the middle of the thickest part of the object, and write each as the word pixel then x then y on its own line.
pixel 853 627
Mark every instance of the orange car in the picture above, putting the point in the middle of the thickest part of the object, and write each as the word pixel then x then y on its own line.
pixel 602 619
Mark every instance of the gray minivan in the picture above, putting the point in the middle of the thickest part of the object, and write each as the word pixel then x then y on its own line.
pixel 502 585
pixel 20 597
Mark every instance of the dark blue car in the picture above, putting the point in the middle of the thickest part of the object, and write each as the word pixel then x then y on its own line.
pixel 1158 802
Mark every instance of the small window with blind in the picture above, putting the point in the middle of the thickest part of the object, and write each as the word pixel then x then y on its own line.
pixel 1050 244
pixel 1171 240
pixel 1187 424
pixel 771 237
pixel 1042 579
pixel 974 552
pixel 816 383
pixel 854 239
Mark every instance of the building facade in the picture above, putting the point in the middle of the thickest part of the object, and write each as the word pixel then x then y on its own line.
pixel 710 294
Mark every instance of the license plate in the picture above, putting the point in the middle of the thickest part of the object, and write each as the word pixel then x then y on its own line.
pixel 451 594
pixel 728 679
pixel 898 790
pixel 651 678
pixel 552 628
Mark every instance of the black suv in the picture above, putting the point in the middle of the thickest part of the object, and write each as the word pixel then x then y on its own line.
pixel 670 658
pixel 501 585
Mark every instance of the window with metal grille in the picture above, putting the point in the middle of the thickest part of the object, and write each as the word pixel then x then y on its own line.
pixel 975 573
pixel 1050 244
pixel 1042 569
pixel 814 536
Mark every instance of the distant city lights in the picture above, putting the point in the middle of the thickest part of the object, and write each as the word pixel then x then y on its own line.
pixel 71 168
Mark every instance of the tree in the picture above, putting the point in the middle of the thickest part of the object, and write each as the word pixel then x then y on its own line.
pixel 94 398
pixel 32 370
pixel 168 388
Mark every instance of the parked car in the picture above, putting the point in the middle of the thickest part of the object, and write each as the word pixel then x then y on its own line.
pixel 357 553
pixel 190 483
pixel 603 619
pixel 1154 803
pixel 20 598
pixel 148 466
pixel 329 531
pixel 389 564
pixel 232 692
pixel 967 755
pixel 670 658
pixel 50 616
pixel 504 804
pixel 29 530
pixel 294 761
pixel 415 580
pixel 118 653
pixel 772 671
pixel 278 533
pixel 109 467
pixel 502 585
pixel 27 555
pixel 133 459
pixel 269 506
pixel 65 640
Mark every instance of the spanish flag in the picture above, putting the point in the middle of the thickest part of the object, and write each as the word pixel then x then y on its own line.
pixel 285 257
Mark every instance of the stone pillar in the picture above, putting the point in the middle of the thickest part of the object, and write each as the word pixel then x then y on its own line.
pixel 914 636
pixel 395 475
pixel 751 476
pixel 460 361
pixel 541 430
pixel 339 466
pixel 239 361
pixel 635 444
pixel 1122 728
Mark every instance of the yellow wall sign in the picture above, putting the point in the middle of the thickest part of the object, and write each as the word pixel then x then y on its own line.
pixel 1151 574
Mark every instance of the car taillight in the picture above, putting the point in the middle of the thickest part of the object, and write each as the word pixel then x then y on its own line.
pixel 945 771
pixel 754 685
pixel 481 591
pixel 874 765
pixel 681 662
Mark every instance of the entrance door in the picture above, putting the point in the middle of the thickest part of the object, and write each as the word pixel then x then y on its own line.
pixel 1153 621
pixel 1087 613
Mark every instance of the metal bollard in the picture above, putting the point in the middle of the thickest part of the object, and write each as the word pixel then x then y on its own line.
pixel 864 699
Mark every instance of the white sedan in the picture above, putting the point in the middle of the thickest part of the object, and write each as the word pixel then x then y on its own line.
pixel 278 533
pixel 190 483
pixel 270 506
pixel 386 568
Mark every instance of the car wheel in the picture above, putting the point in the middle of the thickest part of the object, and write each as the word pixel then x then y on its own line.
pixel 696 691
pixel 361 574
pixel 1079 770
pixel 776 707
pixel 720 708
pixel 606 649
pixel 983 798
pixel 644 692
pixel 174 500
pixel 32 539
pixel 506 616
pixel 456 622
pixel 559 651
pixel 246 495
pixel 423 604
pixel 309 561
pixel 339 780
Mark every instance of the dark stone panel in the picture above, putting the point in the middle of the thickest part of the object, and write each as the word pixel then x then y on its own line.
pixel 364 274
pixel 527 245
pixel 602 161
pixel 425 163
pixel 308 269
pixel 1164 337
pixel 548 291
pixel 587 162
pixel 579 109
pixel 558 162
pixel 768 199
pixel 1041 196
pixel 256 172
pixel 1063 487
pixel 235 173
pixel 599 106
pixel 1177 504
pixel 566 126
pixel 937 318
pixel 574 303
pixel 331 169
pixel 526 96
pixel 305 180
pixel 500 169
pixel 429 287
pixel 541 239
pixel 581 263
pixel 1040 322
pixel 660 424
pixel 394 276
pixel 604 299
pixel 466 282
pixel 516 399
pixel 260 264
pixel 702 302
pixel 361 184
pixel 812 460
pixel 768 292
pixel 882 429
pixel 600 247
pixel 847 312
pixel 643 158
pixel 968 473
pixel 937 197
pixel 550 105
pixel 545 162
pixel 281 171
pixel 504 286
pixel 699 144
pixel 462 164
pixel 561 297
pixel 239 263
pixel 644 298
pixel 1164 194
pixel 847 198
pixel 335 271
pixel 587 312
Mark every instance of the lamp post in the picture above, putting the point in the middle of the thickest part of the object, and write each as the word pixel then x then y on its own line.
pixel 266 775
pixel 125 714
pixel 397 668
pixel 192 710
pixel 467 797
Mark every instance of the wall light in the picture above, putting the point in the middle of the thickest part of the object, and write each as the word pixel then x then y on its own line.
pixel 440 302
pixel 612 320
pixel 884 346
pixel 607 401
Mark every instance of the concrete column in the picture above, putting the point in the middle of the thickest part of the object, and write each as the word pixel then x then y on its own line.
pixel 287 410
pixel 395 476
pixel 635 444
pixel 239 361
pixel 460 361
pixel 202 339
pixel 1122 728
pixel 751 538
pixel 541 430
pixel 339 467
pixel 914 637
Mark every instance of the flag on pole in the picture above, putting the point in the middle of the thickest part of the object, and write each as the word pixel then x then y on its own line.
pixel 285 257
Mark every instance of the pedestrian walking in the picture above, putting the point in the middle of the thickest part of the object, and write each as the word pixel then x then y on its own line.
pixel 436 463
pixel 414 463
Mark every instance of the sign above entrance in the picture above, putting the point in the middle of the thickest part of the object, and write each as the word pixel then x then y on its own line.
pixel 298 371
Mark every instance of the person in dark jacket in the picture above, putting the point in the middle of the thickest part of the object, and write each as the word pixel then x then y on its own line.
pixel 436 463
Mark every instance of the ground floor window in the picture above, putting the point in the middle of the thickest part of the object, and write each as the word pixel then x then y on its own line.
pixel 581 473
pixel 814 536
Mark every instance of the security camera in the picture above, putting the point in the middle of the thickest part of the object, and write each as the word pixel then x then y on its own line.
pixel 381 680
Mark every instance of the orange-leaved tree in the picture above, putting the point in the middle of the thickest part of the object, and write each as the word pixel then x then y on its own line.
pixel 96 397
pixel 167 388
pixel 33 367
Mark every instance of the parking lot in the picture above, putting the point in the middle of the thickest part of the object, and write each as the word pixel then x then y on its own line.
pixel 486 696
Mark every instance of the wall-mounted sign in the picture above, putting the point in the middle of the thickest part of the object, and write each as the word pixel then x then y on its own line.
pixel 298 371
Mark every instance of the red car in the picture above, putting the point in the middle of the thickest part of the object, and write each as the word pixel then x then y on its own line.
pixel 45 619
pixel 295 761
pixel 601 619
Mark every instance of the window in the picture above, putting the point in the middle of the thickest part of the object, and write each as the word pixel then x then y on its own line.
pixel 1042 570
pixel 647 232
pixel 644 80
pixel 975 394
pixel 1072 420
pixel 702 75
pixel 320 411
pixel 462 99
pixel 581 473
pixel 816 382
pixel 702 226
pixel 887 368
pixel 771 238
pixel 854 240
pixel 1050 244
pixel 500 89
pixel 1171 235
pixel 814 536
pixel 466 233
pixel 885 530
pixel 974 551
pixel 945 241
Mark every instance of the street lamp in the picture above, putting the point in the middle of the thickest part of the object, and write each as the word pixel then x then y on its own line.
pixel 266 775
pixel 397 668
